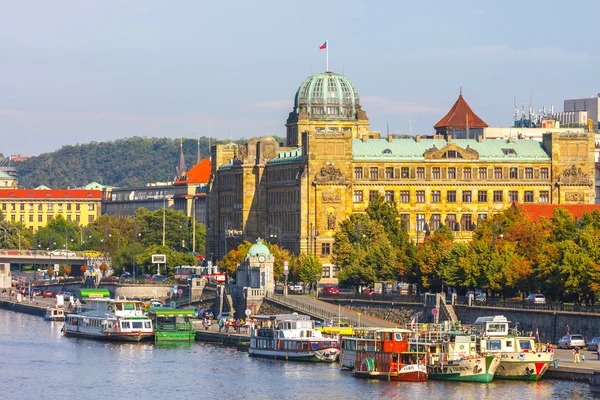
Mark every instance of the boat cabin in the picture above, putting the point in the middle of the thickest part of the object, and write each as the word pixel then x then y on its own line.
pixel 492 326
pixel 392 340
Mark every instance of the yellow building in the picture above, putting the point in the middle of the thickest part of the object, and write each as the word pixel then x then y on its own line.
pixel 35 208
pixel 332 165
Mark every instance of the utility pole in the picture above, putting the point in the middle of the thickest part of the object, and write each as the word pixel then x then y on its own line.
pixel 164 216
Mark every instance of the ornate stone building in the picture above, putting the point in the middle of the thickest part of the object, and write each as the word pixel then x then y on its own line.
pixel 332 165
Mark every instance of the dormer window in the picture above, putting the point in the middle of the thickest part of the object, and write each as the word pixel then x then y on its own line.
pixel 509 152
pixel 387 151
pixel 452 154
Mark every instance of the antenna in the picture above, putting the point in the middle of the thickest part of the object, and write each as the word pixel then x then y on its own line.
pixel 209 148
pixel 388 127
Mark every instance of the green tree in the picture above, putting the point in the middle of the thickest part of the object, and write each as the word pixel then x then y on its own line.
pixel 174 259
pixel 309 266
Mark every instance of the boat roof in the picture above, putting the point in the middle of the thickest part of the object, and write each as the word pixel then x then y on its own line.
pixel 495 318
pixel 283 317
pixel 394 330
pixel 94 293
pixel 169 312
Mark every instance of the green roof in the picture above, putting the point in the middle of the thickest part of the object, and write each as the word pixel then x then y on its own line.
pixel 286 156
pixel 259 248
pixel 94 293
pixel 169 312
pixel 410 149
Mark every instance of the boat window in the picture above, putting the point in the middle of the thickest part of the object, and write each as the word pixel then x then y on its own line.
pixel 509 343
pixel 119 306
pixel 326 344
pixel 499 328
pixel 315 345
pixel 388 336
pixel 305 346
pixel 525 344
pixel 394 358
pixel 124 325
pixel 398 337
pixel 137 325
pixel 148 324
pixel 495 345
pixel 129 306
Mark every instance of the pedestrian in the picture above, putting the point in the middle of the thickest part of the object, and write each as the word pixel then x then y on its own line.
pixel 227 323
pixel 220 325
pixel 238 325
pixel 576 355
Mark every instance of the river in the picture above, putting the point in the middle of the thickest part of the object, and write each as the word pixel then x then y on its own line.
pixel 37 362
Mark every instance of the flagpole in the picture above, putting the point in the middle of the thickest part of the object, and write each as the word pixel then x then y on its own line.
pixel 327 56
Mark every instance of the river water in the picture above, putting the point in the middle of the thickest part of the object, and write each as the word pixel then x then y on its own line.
pixel 37 362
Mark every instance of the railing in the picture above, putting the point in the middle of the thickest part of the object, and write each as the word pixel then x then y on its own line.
pixel 554 306
pixel 312 310
pixel 392 298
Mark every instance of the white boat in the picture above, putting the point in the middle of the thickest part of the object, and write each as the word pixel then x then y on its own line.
pixel 362 340
pixel 107 319
pixel 519 358
pixel 54 313
pixel 291 337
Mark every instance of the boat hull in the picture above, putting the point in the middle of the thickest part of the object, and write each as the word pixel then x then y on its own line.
pixel 325 355
pixel 478 369
pixel 119 337
pixel 181 336
pixel 407 373
pixel 522 370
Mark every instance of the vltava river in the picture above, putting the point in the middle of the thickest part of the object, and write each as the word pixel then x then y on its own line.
pixel 36 362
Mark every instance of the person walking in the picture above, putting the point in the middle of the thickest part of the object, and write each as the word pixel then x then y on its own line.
pixel 576 355
pixel 238 325
pixel 220 325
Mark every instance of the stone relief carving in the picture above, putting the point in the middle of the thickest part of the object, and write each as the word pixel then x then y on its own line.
pixel 573 135
pixel 574 175
pixel 437 154
pixel 331 196
pixel 360 113
pixel 331 220
pixel 575 197
pixel 329 173
pixel 302 113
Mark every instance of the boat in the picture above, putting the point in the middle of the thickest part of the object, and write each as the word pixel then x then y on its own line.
pixel 456 359
pixel 291 337
pixel 392 358
pixel 107 319
pixel 172 325
pixel 362 340
pixel 595 383
pixel 519 358
pixel 54 313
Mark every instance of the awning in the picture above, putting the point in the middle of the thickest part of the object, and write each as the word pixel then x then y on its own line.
pixel 94 293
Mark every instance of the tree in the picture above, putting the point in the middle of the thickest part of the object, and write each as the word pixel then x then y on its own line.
pixel 174 259
pixel 309 266
pixel 235 257
pixel 431 254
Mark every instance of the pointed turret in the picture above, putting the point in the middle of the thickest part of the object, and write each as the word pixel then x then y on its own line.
pixel 461 122
pixel 180 169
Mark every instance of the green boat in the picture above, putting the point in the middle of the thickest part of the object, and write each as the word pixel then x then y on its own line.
pixel 173 325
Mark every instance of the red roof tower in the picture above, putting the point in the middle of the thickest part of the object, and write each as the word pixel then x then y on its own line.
pixel 461 122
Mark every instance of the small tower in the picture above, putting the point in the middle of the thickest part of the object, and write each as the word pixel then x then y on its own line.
pixel 180 169
pixel 257 270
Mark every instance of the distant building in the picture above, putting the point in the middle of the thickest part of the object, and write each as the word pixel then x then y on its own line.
pixel 125 201
pixel 461 122
pixel 35 208
pixel 191 189
pixel 590 105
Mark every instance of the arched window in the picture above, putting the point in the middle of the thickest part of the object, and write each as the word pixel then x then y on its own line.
pixel 387 151
pixel 452 154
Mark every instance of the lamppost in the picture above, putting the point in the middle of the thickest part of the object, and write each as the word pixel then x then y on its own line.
pixel 164 217
pixel 317 276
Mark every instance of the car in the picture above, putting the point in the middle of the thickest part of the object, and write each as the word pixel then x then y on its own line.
pixel 147 277
pixel 224 315
pixel 66 295
pixel 92 254
pixel 478 295
pixel 368 292
pixel 331 289
pixel 48 293
pixel 126 276
pixel 296 287
pixel 536 298
pixel 36 291
pixel 570 341
pixel 63 253
pixel 206 313
pixel 592 345
pixel 159 278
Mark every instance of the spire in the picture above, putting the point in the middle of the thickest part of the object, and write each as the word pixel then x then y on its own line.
pixel 180 170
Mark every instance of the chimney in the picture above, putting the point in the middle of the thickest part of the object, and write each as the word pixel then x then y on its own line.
pixel 449 138
pixel 417 138
pixel 389 138
pixel 479 139
pixel 365 137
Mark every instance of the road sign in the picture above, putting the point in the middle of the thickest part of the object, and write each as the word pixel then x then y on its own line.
pixel 154 291
pixel 285 265
pixel 179 291
pixel 434 311
pixel 286 272
pixel 248 312
pixel 159 259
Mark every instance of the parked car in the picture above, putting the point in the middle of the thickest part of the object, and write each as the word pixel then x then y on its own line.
pixel 48 293
pixel 478 295
pixel 63 253
pixel 592 345
pixel 570 341
pixel 224 315
pixel 368 292
pixel 147 277
pixel 36 290
pixel 126 276
pixel 331 289
pixel 92 254
pixel 159 278
pixel 536 298
pixel 296 287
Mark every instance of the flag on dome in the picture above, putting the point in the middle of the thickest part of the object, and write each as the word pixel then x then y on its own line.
pixel 323 46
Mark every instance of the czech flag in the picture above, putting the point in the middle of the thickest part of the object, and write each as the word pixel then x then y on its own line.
pixel 323 46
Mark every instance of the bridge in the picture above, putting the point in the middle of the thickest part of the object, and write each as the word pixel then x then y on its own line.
pixel 42 257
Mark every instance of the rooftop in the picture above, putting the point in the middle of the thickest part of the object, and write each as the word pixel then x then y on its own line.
pixel 26 194
pixel 458 115
pixel 200 173
pixel 538 211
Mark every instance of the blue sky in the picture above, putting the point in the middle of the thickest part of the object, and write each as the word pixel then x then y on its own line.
pixel 77 71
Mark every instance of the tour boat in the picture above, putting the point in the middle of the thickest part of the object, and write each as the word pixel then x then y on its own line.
pixel 392 359
pixel 54 314
pixel 291 337
pixel 456 359
pixel 362 340
pixel 106 319
pixel 173 325
pixel 519 358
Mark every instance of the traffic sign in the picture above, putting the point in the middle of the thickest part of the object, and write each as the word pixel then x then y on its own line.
pixel 286 272
pixel 179 291
pixel 434 311
pixel 248 312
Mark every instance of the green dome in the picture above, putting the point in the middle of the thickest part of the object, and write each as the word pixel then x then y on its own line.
pixel 327 96
pixel 259 248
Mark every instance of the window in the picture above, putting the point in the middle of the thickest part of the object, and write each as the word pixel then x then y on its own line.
pixel 40 207
pixel 451 222
pixel 12 206
pixel 374 173
pixel 497 196
pixel 482 196
pixel 420 173
pixel 513 196
pixel 389 173
pixel 78 218
pixel 334 272
pixel 420 196
pixel 467 173
pixel 404 196
pixel 436 196
pixel 90 218
pixel 4 207
pixel 404 172
pixel 544 173
pixel 325 248
pixel 435 222
pixel 358 172
pixel 467 222
pixel 467 196
pixel 451 196
pixel 91 207
pixel 481 217
pixel 513 173
pixel 497 173
pixel 509 152
pixel 435 173
pixel 77 207
pixel 544 196
pixel 69 218
pixel 50 218
pixel 373 194
pixel 50 206
pixel 358 196
pixel 22 207
pixel 452 154
pixel 13 218
pixel 389 195
pixel 22 218
pixel 528 196
pixel 528 173
pixel 59 206
pixel 420 222
pixel 31 218
pixel 452 173
pixel 40 218
pixel 68 207
pixel 405 221
pixel 482 173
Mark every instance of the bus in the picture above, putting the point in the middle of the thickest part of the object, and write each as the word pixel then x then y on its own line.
pixel 210 273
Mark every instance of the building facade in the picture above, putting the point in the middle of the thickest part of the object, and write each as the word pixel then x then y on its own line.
pixel 591 105
pixel 35 208
pixel 332 165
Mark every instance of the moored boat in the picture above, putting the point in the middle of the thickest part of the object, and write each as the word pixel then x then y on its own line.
pixel 54 313
pixel 362 340
pixel 172 325
pixel 291 337
pixel 519 358
pixel 392 359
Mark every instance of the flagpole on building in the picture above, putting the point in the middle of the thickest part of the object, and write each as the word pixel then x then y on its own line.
pixel 327 56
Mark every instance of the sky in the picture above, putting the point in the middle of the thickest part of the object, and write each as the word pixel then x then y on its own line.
pixel 74 71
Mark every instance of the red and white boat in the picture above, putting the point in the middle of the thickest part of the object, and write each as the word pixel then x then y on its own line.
pixel 392 359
